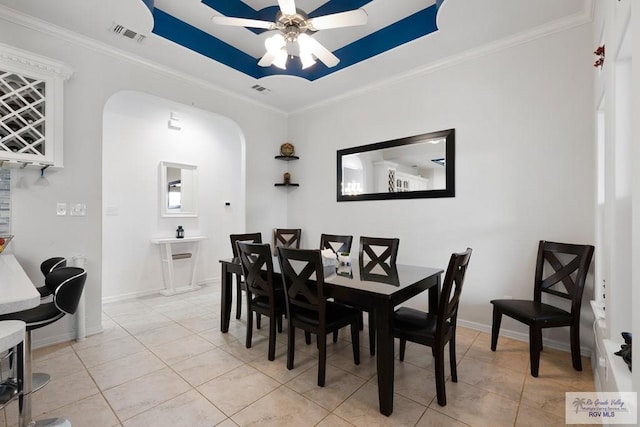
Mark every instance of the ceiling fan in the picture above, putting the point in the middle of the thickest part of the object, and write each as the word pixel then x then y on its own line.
pixel 292 25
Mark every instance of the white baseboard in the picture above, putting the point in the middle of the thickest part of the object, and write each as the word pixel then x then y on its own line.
pixel 521 336
pixel 145 293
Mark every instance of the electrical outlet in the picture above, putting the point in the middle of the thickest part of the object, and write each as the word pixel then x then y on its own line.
pixel 78 209
pixel 61 209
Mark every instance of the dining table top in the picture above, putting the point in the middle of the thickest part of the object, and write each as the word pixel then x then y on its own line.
pixel 381 280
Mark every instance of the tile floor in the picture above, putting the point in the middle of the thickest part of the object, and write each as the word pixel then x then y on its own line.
pixel 162 361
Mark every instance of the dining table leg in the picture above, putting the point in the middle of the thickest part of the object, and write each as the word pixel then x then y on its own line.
pixel 385 357
pixel 226 281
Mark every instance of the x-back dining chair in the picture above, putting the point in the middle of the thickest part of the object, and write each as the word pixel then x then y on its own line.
pixel 240 285
pixel 557 264
pixel 336 242
pixel 287 238
pixel 264 296
pixel 436 329
pixel 308 308
pixel 376 253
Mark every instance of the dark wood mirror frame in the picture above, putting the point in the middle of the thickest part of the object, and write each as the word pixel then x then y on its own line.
pixel 449 190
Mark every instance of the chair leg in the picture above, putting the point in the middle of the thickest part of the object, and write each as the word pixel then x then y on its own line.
pixel 495 328
pixel 307 337
pixel 291 344
pixel 575 347
pixel 279 319
pixel 535 339
pixel 239 296
pixel 249 328
pixel 361 322
pixel 272 335
pixel 403 346
pixel 355 342
pixel 438 356
pixel 322 359
pixel 372 334
pixel 452 359
pixel 335 336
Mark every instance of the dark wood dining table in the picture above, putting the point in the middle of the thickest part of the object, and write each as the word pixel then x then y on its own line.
pixel 382 291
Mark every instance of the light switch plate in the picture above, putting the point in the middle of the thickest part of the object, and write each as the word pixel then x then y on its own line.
pixel 61 209
pixel 78 209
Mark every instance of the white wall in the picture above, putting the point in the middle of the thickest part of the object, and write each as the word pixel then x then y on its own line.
pixel 136 139
pixel 98 75
pixel 524 166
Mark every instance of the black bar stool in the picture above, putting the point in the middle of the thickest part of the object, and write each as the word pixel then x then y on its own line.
pixel 68 283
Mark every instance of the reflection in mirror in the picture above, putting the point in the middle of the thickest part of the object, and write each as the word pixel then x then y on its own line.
pixel 420 166
pixel 178 190
pixel 381 273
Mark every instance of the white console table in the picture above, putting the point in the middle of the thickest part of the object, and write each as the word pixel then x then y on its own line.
pixel 169 254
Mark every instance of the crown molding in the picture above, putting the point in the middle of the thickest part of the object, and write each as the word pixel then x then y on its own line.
pixel 583 17
pixel 52 30
pixel 29 61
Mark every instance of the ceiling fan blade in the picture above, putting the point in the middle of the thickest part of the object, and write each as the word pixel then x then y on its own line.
pixel 337 20
pixel 319 51
pixel 243 22
pixel 287 7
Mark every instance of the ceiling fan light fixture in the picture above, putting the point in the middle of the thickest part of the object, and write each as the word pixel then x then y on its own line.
pixel 306 56
pixel 281 59
pixel 275 43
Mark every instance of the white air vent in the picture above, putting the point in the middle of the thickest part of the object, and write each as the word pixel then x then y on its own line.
pixel 263 90
pixel 126 32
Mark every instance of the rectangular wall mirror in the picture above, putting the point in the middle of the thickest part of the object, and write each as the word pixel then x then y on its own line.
pixel 420 166
pixel 178 190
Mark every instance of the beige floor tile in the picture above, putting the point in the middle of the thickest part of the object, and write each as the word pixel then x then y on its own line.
pixel 332 420
pixel 339 385
pixel 189 409
pixel 119 371
pixel 163 335
pixel 144 321
pixel 201 323
pixel 110 332
pixel 62 365
pixel 182 349
pixel 412 382
pixel 277 369
pixel 238 388
pixel 63 391
pixel 90 412
pixel 477 407
pixel 530 417
pixel 489 377
pixel 546 394
pixel 259 348
pixel 201 376
pixel 511 354
pixel 52 351
pixel 362 409
pixel 110 350
pixel 433 418
pixel 343 358
pixel 114 309
pixel 136 396
pixel 206 366
pixel 282 407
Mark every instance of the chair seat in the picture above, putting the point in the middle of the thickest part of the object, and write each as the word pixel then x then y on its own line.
pixel 528 311
pixel 337 315
pixel 262 301
pixel 36 317
pixel 417 322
